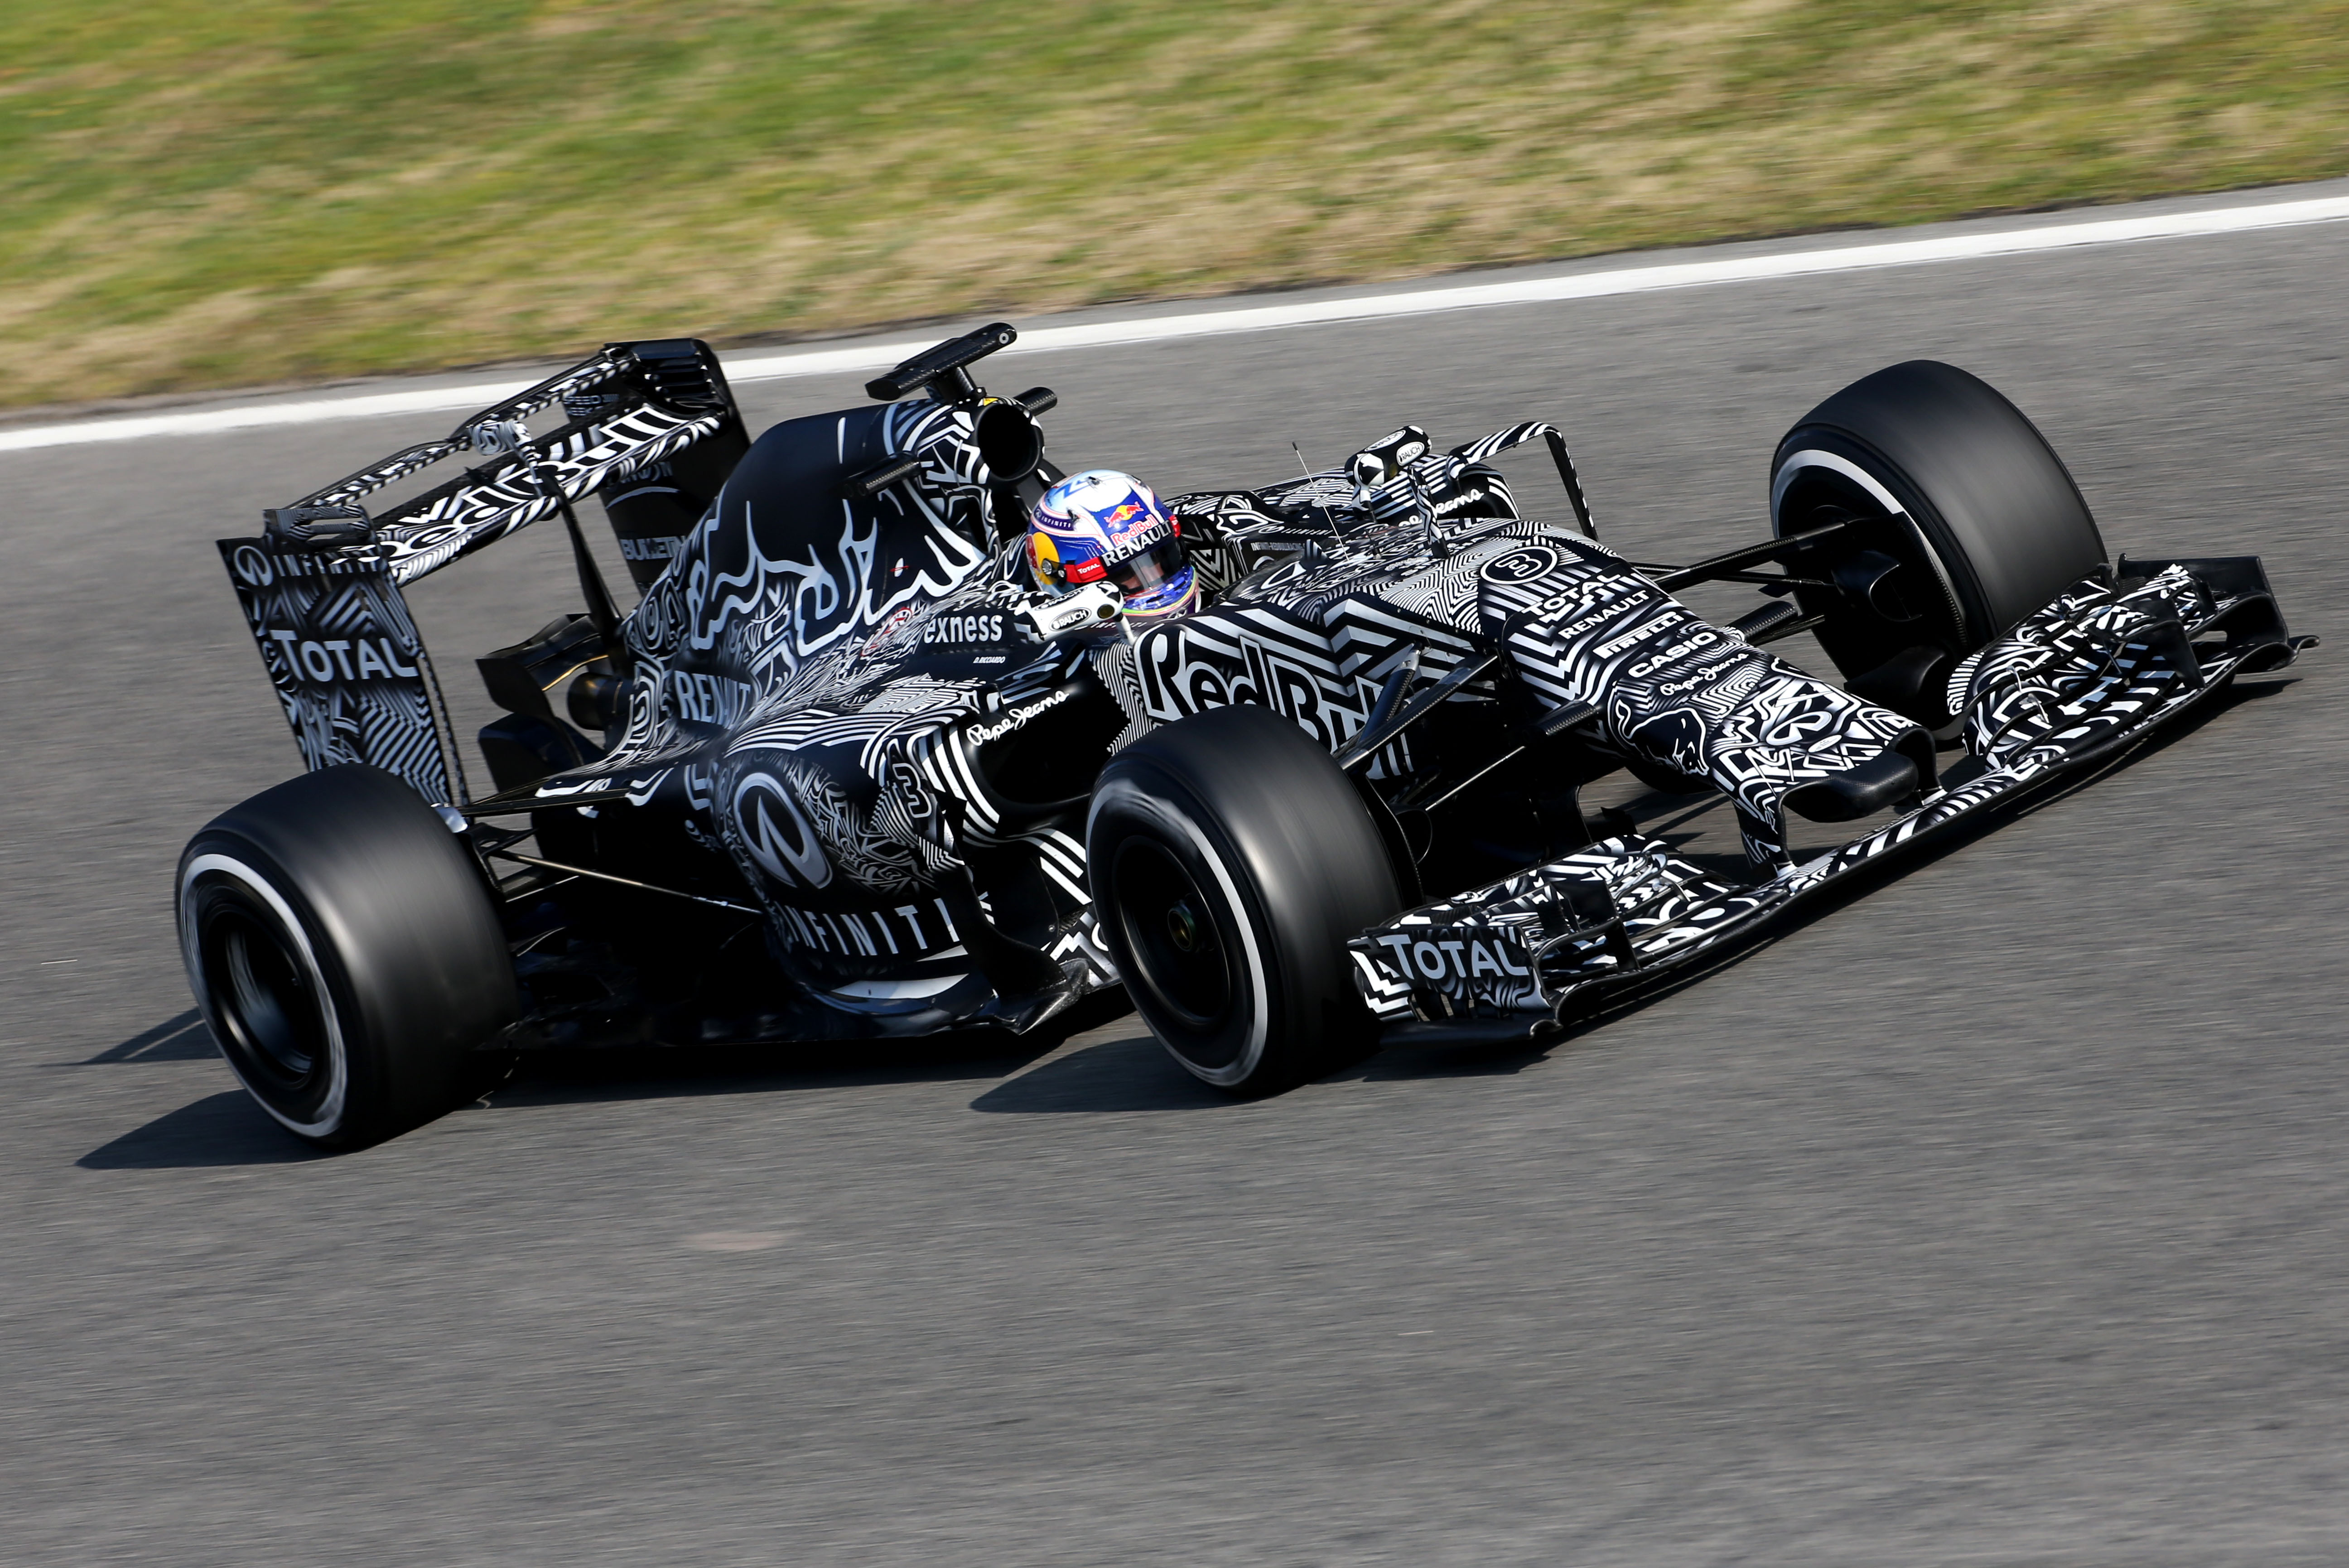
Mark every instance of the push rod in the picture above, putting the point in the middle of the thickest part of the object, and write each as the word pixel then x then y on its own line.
pixel 620 881
pixel 1717 566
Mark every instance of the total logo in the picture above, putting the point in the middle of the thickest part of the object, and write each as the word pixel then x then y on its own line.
pixel 777 834
pixel 343 658
pixel 1452 959
pixel 1582 595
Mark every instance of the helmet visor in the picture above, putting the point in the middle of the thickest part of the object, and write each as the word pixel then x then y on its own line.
pixel 1150 570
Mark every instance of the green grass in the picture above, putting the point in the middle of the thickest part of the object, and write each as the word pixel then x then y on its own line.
pixel 213 193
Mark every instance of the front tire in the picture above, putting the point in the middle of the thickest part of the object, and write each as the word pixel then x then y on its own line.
pixel 1231 860
pixel 343 946
pixel 1971 523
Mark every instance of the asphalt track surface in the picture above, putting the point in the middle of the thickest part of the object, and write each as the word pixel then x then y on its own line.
pixel 1995 1216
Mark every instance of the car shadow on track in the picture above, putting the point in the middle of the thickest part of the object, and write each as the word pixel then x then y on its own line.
pixel 1123 1069
pixel 228 1129
pixel 1115 1066
pixel 224 1128
pixel 656 1072
pixel 182 1038
pixel 221 1128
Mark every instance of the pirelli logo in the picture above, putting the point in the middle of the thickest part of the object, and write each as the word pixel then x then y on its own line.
pixel 1638 634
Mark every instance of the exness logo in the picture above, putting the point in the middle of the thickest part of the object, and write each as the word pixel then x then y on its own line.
pixel 964 628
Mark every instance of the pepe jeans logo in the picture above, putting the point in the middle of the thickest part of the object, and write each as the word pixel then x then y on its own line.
pixel 980 735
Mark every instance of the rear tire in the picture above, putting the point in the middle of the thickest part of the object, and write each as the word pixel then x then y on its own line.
pixel 1995 526
pixel 344 948
pixel 1231 860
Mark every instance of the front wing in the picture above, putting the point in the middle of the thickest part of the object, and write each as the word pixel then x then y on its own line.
pixel 2093 673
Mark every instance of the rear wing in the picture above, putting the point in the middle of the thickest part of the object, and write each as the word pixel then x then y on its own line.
pixel 627 410
pixel 651 428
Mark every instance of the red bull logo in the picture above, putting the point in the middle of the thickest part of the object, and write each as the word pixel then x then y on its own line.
pixel 1044 557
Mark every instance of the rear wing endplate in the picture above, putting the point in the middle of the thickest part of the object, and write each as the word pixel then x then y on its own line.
pixel 347 665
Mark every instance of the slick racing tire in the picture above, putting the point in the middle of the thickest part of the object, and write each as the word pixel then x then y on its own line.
pixel 343 947
pixel 1980 524
pixel 1230 861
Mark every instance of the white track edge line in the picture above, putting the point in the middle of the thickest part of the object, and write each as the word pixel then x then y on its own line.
pixel 1422 301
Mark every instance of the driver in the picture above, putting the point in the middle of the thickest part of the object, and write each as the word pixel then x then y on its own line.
pixel 1102 523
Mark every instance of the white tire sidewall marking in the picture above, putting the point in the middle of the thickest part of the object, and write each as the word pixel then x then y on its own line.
pixel 1151 808
pixel 1812 458
pixel 338 1063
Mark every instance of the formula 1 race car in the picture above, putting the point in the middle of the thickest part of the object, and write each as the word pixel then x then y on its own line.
pixel 850 771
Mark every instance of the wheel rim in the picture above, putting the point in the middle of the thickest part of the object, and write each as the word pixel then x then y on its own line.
pixel 1872 622
pixel 1915 598
pixel 1182 954
pixel 264 1002
pixel 263 995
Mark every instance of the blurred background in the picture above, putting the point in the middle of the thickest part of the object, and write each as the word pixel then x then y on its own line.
pixel 205 194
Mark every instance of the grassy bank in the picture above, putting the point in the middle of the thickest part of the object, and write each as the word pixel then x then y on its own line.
pixel 209 192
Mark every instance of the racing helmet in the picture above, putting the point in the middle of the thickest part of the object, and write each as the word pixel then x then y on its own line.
pixel 1103 524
